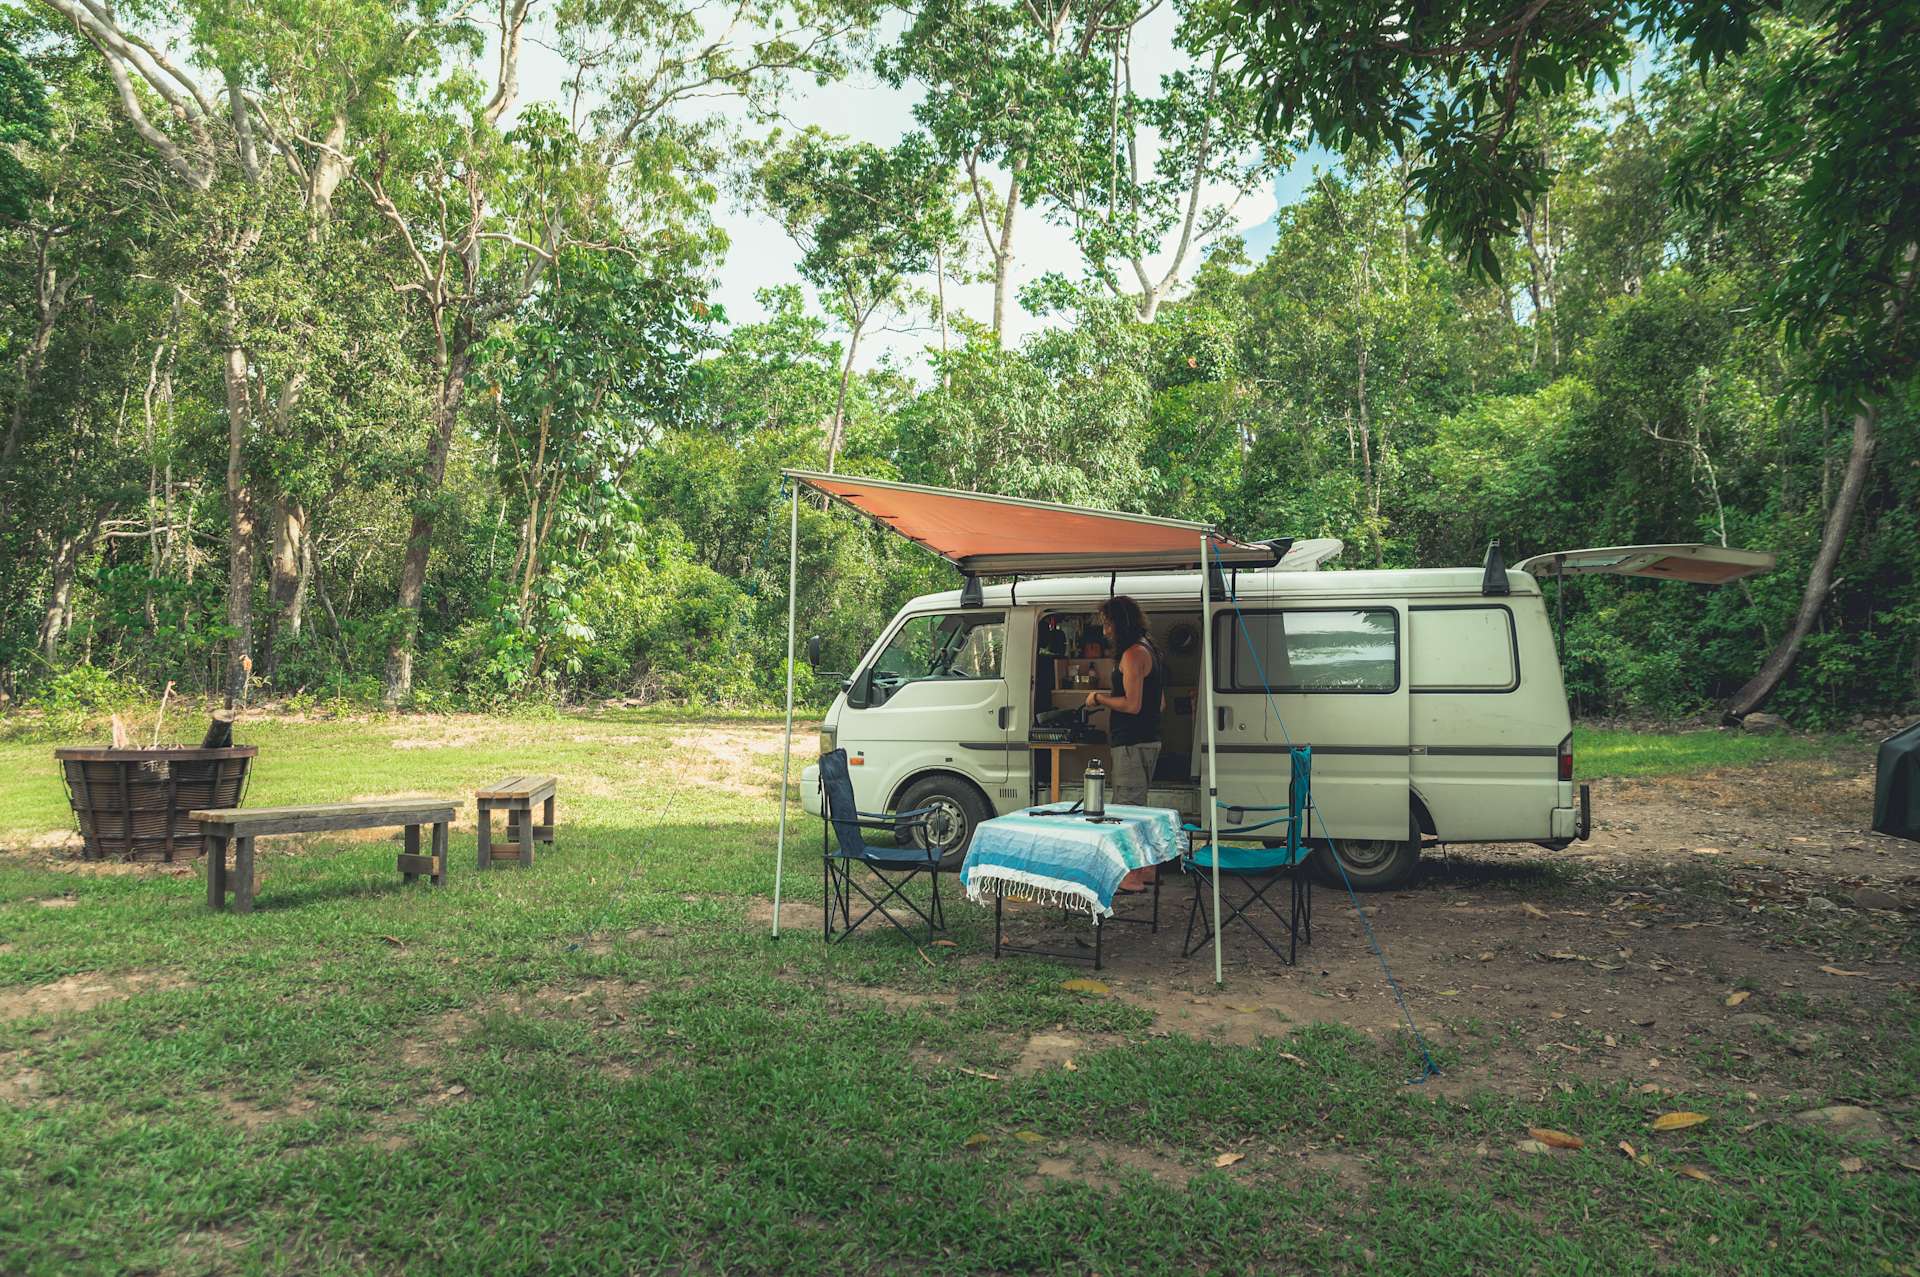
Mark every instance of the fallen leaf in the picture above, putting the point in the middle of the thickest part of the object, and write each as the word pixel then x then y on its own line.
pixel 395 941
pixel 1532 1146
pixel 1448 993
pixel 1838 971
pixel 991 1077
pixel 1555 1139
pixel 946 944
pixel 1735 999
pixel 1852 1165
pixel 976 1140
pixel 1627 1148
pixel 1030 1137
pixel 1564 956
pixel 1707 851
pixel 1070 1066
pixel 1533 911
pixel 1084 985
pixel 1678 1121
pixel 1228 1159
pixel 1694 1172
pixel 456 1090
pixel 1288 1055
pixel 1486 957
pixel 1556 1015
pixel 1609 1040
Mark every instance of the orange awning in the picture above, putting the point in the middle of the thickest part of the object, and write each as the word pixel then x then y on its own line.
pixel 1008 536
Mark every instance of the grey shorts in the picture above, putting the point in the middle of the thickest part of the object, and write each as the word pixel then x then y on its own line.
pixel 1132 769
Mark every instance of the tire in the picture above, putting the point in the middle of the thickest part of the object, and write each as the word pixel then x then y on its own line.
pixel 1372 864
pixel 959 809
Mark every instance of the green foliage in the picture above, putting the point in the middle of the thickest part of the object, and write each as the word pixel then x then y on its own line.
pixel 484 360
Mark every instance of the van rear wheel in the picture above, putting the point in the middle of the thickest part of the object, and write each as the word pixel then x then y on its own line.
pixel 958 809
pixel 1372 864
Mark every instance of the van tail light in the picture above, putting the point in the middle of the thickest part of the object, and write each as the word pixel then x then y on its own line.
pixel 1566 758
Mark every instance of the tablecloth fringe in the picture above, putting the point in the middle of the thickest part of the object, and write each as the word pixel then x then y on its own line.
pixel 1012 884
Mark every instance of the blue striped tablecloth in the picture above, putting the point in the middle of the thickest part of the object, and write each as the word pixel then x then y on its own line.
pixel 1067 861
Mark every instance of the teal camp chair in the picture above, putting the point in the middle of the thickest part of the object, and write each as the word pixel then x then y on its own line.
pixel 893 867
pixel 1259 867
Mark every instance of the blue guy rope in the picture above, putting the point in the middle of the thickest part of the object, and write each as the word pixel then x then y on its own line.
pixel 1428 1067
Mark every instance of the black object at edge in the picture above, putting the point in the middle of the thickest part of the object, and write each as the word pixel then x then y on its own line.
pixel 1493 577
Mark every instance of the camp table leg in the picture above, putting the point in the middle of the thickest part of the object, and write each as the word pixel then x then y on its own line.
pixel 439 878
pixel 998 903
pixel 216 872
pixel 243 874
pixel 486 835
pixel 546 814
pixel 526 835
pixel 413 849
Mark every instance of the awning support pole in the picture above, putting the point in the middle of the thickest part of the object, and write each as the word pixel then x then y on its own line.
pixel 786 755
pixel 1213 752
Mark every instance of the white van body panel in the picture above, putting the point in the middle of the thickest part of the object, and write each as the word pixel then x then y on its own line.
pixel 1461 735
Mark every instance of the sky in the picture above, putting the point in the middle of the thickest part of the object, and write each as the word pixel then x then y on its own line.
pixel 866 109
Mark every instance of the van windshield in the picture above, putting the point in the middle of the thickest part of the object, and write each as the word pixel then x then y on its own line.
pixel 948 645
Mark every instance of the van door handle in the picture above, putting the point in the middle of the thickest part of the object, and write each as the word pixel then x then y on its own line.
pixel 1003 718
pixel 1220 718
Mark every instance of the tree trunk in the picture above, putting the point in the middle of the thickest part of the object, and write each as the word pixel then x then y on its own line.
pixel 1003 254
pixel 240 527
pixel 58 617
pixel 1819 580
pixel 286 590
pixel 398 681
pixel 837 434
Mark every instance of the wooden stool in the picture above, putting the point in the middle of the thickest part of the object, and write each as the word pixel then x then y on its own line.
pixel 516 796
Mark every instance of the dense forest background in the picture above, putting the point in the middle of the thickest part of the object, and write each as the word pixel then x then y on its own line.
pixel 332 366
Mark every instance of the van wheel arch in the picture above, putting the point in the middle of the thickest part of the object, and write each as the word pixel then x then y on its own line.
pixel 1377 865
pixel 963 793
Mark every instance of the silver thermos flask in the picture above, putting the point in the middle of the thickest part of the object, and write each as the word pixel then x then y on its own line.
pixel 1095 790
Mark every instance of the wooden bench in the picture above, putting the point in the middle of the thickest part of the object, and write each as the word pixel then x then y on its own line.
pixel 241 825
pixel 516 796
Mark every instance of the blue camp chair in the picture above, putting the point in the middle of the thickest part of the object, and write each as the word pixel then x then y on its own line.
pixel 893 867
pixel 1259 868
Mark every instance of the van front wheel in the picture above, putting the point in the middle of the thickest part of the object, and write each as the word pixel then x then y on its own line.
pixel 1372 864
pixel 958 809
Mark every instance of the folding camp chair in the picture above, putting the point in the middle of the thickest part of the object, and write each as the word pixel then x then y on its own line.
pixel 1258 868
pixel 893 867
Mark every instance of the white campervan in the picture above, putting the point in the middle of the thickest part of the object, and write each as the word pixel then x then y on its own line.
pixel 1432 699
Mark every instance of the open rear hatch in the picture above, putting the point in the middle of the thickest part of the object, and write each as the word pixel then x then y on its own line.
pixel 1699 563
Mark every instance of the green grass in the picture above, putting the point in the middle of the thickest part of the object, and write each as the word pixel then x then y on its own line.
pixel 599 1066
pixel 1601 752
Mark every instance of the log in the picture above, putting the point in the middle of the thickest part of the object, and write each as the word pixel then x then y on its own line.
pixel 219 733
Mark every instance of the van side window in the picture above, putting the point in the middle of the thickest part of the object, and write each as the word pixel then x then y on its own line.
pixel 947 645
pixel 1310 650
pixel 1462 649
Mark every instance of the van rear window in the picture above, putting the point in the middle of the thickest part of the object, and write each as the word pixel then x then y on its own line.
pixel 1310 650
pixel 1462 649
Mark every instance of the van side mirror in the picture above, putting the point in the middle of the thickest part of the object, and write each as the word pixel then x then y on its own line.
pixel 813 652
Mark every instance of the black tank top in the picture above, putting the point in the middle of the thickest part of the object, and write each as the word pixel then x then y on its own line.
pixel 1144 727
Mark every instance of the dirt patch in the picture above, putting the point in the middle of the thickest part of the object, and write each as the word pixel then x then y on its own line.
pixel 18 1084
pixel 737 760
pixel 1055 1050
pixel 898 999
pixel 458 738
pixel 254 1116
pixel 1100 1165
pixel 795 915
pixel 1715 933
pixel 210 1251
pixel 76 993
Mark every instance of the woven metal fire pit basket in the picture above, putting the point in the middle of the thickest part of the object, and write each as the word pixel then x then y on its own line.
pixel 132 804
